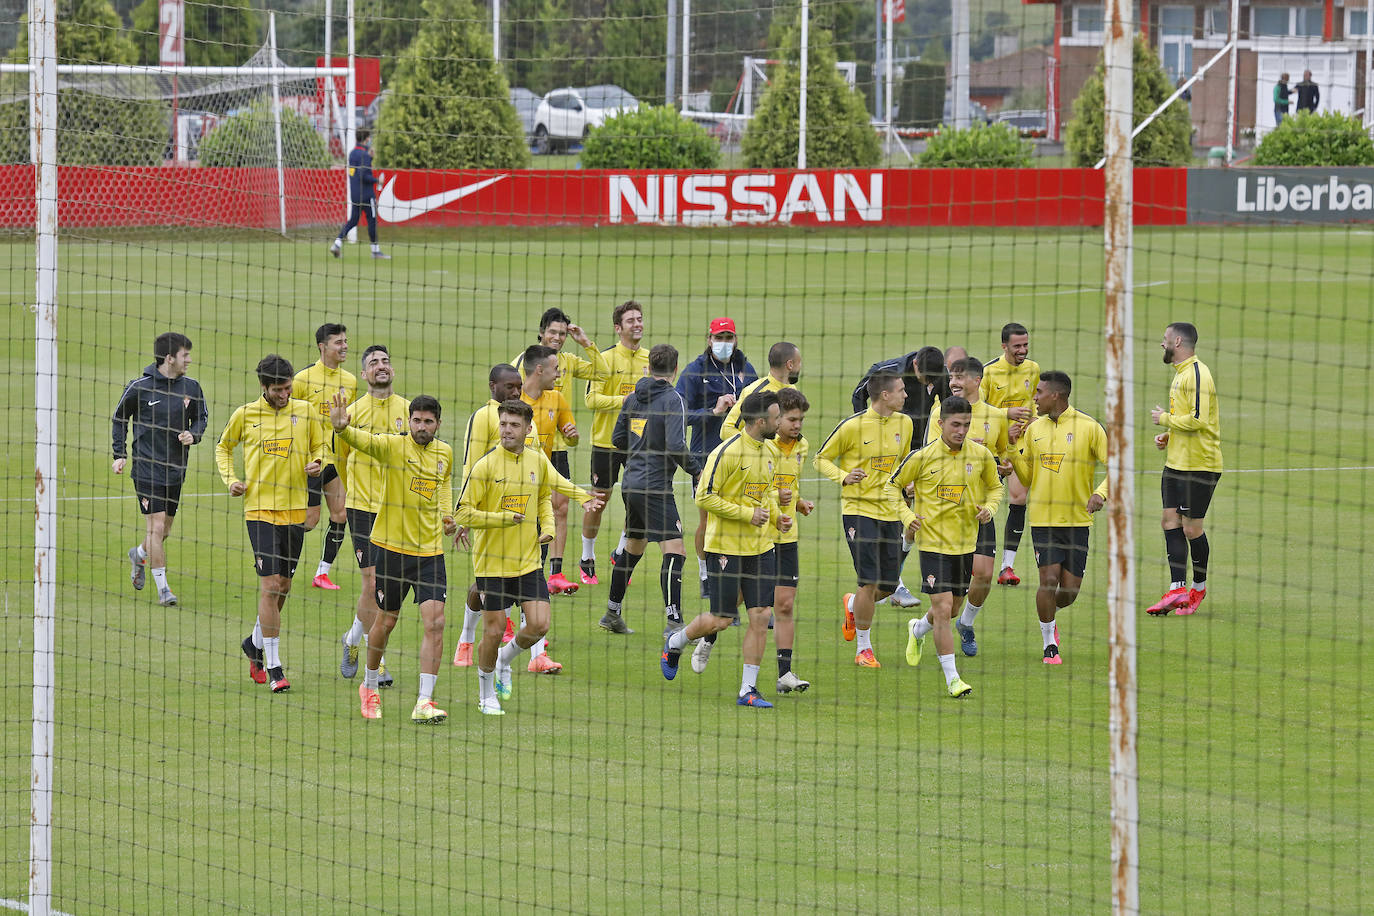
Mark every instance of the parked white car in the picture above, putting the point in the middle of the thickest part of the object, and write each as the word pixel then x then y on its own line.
pixel 565 116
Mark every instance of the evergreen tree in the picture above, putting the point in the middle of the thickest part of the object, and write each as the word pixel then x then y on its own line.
pixel 1168 138
pixel 224 33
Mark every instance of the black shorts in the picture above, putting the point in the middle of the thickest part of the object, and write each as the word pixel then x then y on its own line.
pixel 157 497
pixel 942 572
pixel 314 486
pixel 1066 547
pixel 400 573
pixel 1190 492
pixel 497 594
pixel 789 564
pixel 606 465
pixel 987 540
pixel 360 524
pixel 276 548
pixel 728 576
pixel 651 516
pixel 560 463
pixel 876 548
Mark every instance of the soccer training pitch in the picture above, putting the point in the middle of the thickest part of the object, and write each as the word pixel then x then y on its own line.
pixel 183 787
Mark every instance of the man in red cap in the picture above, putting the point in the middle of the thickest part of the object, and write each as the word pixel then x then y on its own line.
pixel 710 385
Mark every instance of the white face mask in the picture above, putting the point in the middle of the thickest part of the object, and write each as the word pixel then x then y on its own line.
pixel 722 349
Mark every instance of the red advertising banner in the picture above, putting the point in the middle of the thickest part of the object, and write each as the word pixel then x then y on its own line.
pixel 247 198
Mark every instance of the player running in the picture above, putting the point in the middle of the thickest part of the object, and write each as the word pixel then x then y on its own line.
pixel 860 456
pixel 737 492
pixel 1192 468
pixel 379 412
pixel 1057 457
pixel 284 444
pixel 407 542
pixel 956 489
pixel 318 384
pixel 362 190
pixel 168 411
pixel 792 452
pixel 1010 382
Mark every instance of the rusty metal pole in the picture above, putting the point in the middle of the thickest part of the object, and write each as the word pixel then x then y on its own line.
pixel 1124 766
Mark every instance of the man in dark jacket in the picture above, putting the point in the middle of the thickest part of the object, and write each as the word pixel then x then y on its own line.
pixel 927 383
pixel 168 411
pixel 652 432
pixel 362 189
pixel 1309 96
pixel 710 385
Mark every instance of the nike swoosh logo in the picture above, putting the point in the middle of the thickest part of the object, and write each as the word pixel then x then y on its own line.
pixel 154 403
pixel 499 480
pixel 394 210
pixel 868 442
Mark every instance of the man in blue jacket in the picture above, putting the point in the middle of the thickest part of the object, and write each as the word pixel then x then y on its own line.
pixel 710 386
pixel 169 415
pixel 362 187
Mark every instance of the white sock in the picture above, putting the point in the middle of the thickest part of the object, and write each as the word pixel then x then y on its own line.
pixel 620 544
pixel 470 620
pixel 970 614
pixel 588 548
pixel 323 568
pixel 508 653
pixel 486 684
pixel 750 679
pixel 1047 633
pixel 1177 585
pixel 701 567
pixel 354 636
pixel 922 627
pixel 370 677
pixel 1200 585
pixel 427 682
pixel 947 663
pixel 1008 558
pixel 678 641
pixel 376 248
pixel 271 650
pixel 143 554
pixel 864 641
pixel 539 648
pixel 257 634
pixel 338 243
pixel 160 578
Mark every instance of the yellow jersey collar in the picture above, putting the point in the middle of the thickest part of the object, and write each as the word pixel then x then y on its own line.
pixel 1186 363
pixel 624 350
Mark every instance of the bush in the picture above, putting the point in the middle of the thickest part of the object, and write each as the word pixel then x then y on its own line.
pixel 1330 139
pixel 92 130
pixel 1168 139
pixel 650 138
pixel 450 105
pixel 981 146
pixel 248 140
pixel 838 131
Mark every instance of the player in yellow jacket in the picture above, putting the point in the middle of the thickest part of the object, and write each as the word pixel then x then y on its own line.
pixel 1009 383
pixel 283 446
pixel 407 542
pixel 628 362
pixel 737 490
pixel 1056 459
pixel 793 450
pixel 955 489
pixel 318 384
pixel 1192 467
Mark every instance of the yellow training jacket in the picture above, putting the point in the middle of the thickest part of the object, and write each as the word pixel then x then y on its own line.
pixel 1057 460
pixel 277 445
pixel 950 488
pixel 416 490
pixel 737 479
pixel 874 443
pixel 390 416
pixel 501 485
pixel 605 396
pixel 1193 421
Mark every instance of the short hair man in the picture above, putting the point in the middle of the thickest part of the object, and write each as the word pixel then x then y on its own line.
pixel 407 542
pixel 1058 455
pixel 1192 468
pixel 379 412
pixel 956 488
pixel 1009 383
pixel 168 411
pixel 1309 95
pixel 860 456
pixel 793 450
pixel 284 444
pixel 362 191
pixel 652 432
pixel 318 384
pixel 739 495
pixel 784 371
pixel 628 363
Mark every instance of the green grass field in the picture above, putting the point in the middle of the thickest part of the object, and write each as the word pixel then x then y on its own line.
pixel 183 787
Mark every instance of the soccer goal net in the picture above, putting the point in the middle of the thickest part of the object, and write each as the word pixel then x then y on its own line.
pixel 832 317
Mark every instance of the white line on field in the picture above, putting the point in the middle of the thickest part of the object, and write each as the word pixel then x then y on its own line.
pixel 22 907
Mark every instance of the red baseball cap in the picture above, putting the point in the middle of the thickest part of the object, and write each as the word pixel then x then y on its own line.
pixel 721 325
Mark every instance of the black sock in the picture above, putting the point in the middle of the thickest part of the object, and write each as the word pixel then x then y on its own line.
pixel 1201 552
pixel 1176 549
pixel 710 638
pixel 333 540
pixel 1015 527
pixel 784 661
pixel 670 582
pixel 543 555
pixel 620 576
pixel 555 566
